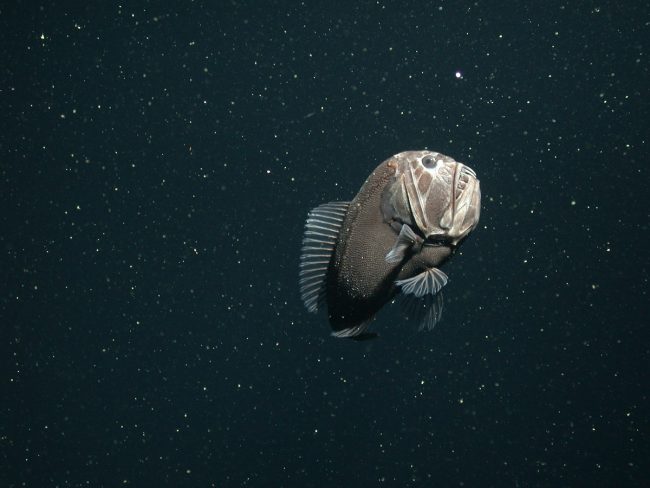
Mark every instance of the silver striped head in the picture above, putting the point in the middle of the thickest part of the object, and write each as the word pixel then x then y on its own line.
pixel 441 196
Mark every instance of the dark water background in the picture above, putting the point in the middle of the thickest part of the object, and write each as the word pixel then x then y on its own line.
pixel 156 166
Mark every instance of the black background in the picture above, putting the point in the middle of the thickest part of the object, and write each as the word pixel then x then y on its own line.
pixel 157 164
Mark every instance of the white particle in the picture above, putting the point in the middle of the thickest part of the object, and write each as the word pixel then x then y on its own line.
pixel 459 75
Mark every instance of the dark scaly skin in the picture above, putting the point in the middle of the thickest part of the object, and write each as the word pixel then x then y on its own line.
pixel 360 281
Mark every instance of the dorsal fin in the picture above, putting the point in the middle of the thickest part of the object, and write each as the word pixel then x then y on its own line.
pixel 321 233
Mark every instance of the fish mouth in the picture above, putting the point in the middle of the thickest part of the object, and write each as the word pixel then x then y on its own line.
pixel 461 216
pixel 462 177
pixel 458 178
pixel 443 199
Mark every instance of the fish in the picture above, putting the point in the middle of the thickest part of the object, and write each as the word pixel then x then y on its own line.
pixel 407 220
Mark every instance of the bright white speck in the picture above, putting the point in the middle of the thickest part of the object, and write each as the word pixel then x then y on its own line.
pixel 459 75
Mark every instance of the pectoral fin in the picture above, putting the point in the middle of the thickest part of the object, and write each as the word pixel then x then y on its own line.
pixel 421 299
pixel 405 241
pixel 429 282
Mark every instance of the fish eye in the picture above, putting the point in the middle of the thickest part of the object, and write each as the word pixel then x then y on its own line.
pixel 428 162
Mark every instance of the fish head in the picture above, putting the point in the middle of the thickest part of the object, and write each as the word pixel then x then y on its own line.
pixel 443 196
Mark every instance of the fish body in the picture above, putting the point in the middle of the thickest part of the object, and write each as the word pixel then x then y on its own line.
pixel 404 223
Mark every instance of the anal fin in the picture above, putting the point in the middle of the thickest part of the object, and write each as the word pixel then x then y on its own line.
pixel 357 332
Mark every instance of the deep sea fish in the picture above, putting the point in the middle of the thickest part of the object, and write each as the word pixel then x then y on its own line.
pixel 407 220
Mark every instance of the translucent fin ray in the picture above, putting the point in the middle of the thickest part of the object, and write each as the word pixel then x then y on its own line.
pixel 357 330
pixel 426 311
pixel 321 233
pixel 405 240
pixel 429 282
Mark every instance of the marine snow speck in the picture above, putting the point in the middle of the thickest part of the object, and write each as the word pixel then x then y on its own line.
pixel 407 220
